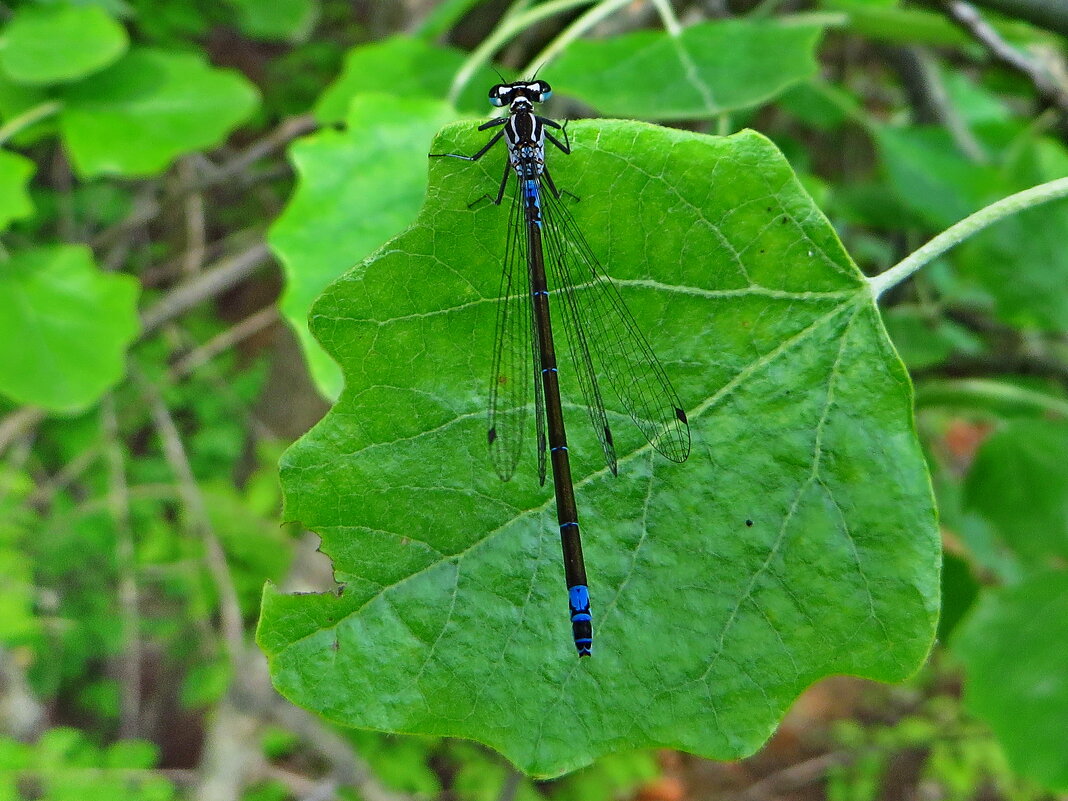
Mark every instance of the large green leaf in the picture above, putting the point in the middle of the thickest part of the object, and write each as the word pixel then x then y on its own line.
pixel 153 105
pixel 58 43
pixel 356 188
pixel 1013 648
pixel 707 69
pixel 64 327
pixel 798 541
pixel 15 174
pixel 1018 482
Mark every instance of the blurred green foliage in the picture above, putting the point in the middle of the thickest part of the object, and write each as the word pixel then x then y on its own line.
pixel 155 157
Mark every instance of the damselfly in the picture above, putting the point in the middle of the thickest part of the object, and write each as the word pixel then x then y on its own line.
pixel 602 335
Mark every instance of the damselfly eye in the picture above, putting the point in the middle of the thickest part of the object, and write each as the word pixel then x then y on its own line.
pixel 541 89
pixel 499 95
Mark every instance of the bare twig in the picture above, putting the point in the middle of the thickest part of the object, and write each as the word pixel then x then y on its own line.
pixel 148 205
pixel 18 423
pixel 931 101
pixel 225 274
pixel 195 234
pixel 119 503
pixel 1049 14
pixel 510 785
pixel 795 776
pixel 248 327
pixel 231 753
pixel 968 17
pixel 198 520
pixel 286 132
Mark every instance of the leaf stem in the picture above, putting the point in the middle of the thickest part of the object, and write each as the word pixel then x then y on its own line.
pixel 957 233
pixel 575 30
pixel 967 391
pixel 27 118
pixel 667 16
pixel 509 27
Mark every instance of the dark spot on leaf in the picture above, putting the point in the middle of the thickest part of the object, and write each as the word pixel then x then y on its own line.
pixel 749 523
pixel 491 435
pixel 340 590
pixel 785 220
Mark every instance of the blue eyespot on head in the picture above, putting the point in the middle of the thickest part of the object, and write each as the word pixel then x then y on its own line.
pixel 539 91
pixel 500 95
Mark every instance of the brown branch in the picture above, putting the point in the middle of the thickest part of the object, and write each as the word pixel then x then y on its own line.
pixel 223 275
pixel 225 340
pixel 967 17
pixel 148 204
pixel 795 776
pixel 195 224
pixel 287 131
pixel 119 505
pixel 18 423
pixel 198 521
pixel 1049 14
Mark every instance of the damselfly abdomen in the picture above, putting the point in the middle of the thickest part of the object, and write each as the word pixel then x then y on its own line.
pixel 603 338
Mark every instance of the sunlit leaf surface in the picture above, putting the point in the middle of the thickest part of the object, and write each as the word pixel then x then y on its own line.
pixel 356 188
pixel 58 42
pixel 152 106
pixel 64 327
pixel 706 70
pixel 15 174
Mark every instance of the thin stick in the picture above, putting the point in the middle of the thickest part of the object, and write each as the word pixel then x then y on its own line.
pixel 509 27
pixel 955 234
pixel 248 327
pixel 195 224
pixel 18 423
pixel 575 30
pixel 130 620
pixel 970 20
pixel 197 518
pixel 27 118
pixel 225 274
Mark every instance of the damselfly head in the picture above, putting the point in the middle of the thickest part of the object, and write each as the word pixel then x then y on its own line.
pixel 505 94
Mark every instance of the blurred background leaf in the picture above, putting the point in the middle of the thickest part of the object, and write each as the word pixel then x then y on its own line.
pixel 179 181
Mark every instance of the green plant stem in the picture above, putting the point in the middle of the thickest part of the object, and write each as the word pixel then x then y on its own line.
pixel 27 118
pixel 969 390
pixel 575 30
pixel 955 234
pixel 667 16
pixel 509 27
